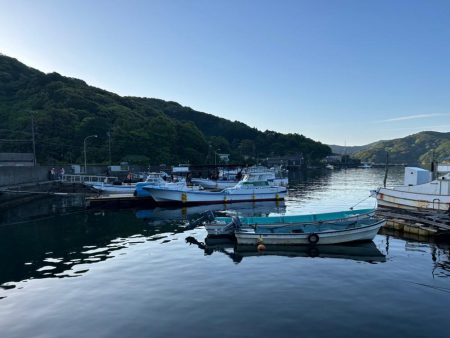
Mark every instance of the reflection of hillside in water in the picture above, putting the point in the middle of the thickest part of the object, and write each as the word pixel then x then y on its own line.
pixel 364 252
pixel 438 249
pixel 42 207
pixel 64 246
pixel 440 254
pixel 246 209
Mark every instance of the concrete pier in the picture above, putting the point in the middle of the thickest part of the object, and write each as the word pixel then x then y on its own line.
pixel 425 224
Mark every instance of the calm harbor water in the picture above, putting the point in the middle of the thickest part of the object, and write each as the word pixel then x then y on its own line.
pixel 140 273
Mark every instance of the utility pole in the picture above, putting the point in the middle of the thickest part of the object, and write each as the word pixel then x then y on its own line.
pixel 84 146
pixel 109 144
pixel 34 141
pixel 386 169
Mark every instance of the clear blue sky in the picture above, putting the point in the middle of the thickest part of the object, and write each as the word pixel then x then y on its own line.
pixel 342 71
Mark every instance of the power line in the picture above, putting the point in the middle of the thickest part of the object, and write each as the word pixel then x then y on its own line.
pixel 10 140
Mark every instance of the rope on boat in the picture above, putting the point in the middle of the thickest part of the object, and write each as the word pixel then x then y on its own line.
pixel 351 208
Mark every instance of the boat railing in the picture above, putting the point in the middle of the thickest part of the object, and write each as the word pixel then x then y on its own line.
pixel 438 201
pixel 88 178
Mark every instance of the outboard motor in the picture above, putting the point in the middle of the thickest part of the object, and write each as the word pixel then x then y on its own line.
pixel 205 216
pixel 234 225
pixel 237 222
pixel 209 215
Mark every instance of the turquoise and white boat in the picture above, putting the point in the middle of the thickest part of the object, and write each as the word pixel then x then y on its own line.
pixel 219 226
pixel 364 229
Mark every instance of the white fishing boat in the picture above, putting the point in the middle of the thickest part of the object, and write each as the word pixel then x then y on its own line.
pixel 159 180
pixel 418 192
pixel 220 225
pixel 311 234
pixel 251 188
pixel 276 175
pixel 230 179
pixel 365 165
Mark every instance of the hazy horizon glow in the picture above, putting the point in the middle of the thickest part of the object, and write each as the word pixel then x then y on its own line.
pixel 347 71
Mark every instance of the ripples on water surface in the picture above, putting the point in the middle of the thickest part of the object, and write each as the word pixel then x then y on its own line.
pixel 139 273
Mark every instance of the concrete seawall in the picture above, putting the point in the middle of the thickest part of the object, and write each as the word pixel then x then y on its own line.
pixel 11 176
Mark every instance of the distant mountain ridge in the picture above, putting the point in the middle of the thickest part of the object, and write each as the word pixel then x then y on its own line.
pixel 419 148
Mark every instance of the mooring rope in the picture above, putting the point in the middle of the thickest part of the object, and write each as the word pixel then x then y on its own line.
pixel 351 208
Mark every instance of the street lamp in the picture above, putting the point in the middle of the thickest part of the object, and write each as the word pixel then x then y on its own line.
pixel 85 166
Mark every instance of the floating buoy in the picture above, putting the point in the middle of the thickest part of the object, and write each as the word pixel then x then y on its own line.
pixel 261 247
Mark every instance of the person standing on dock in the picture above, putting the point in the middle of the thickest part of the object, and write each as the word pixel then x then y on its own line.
pixel 61 173
pixel 52 174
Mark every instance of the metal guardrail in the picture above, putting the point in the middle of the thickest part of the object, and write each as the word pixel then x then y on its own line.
pixel 88 178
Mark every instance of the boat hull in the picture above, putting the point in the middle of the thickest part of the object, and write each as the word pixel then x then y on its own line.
pixel 189 197
pixel 114 189
pixel 363 233
pixel 411 200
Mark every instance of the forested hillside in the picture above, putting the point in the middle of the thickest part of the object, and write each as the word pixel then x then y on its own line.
pixel 418 148
pixel 140 130
pixel 346 150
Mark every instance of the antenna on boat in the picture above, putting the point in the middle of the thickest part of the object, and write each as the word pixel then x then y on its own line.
pixel 386 169
pixel 433 167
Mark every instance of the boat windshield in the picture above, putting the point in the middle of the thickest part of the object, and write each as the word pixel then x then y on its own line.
pixel 250 180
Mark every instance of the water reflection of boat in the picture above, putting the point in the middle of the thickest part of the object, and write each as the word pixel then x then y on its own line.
pixel 222 245
pixel 365 252
pixel 243 209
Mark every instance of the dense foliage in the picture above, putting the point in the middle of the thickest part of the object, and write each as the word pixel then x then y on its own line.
pixel 140 130
pixel 419 148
